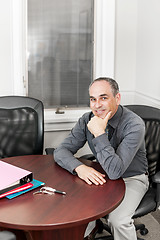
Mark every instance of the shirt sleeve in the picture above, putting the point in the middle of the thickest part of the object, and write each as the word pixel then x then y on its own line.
pixel 116 161
pixel 64 154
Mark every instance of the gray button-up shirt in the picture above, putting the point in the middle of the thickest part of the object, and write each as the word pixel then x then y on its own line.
pixel 124 155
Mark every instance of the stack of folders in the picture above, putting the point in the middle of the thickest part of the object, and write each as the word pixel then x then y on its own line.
pixel 15 181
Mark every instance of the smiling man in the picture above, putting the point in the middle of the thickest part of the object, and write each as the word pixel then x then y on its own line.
pixel 116 137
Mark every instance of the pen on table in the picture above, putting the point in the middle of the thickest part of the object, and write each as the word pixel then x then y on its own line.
pixel 54 190
pixel 57 191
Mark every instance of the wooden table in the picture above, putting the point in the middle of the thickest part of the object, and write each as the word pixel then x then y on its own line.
pixel 57 216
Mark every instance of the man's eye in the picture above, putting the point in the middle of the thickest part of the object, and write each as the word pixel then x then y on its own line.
pixel 92 99
pixel 104 98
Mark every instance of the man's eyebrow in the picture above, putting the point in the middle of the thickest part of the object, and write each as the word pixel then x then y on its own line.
pixel 101 95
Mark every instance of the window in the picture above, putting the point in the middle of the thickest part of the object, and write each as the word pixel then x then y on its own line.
pixel 60 51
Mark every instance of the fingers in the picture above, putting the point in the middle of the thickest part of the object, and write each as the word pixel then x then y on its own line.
pixel 90 175
pixel 95 178
pixel 107 117
pixel 96 126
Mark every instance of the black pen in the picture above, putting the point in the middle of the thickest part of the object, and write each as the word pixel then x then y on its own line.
pixel 57 191
pixel 54 190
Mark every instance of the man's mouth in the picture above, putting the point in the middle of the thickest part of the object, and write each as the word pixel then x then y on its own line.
pixel 100 112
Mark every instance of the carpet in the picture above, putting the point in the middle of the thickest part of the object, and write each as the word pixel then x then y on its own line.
pixel 156 215
pixel 152 223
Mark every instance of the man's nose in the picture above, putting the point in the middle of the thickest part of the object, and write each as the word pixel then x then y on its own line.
pixel 98 104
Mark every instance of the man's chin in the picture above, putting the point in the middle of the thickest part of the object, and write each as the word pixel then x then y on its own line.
pixel 101 115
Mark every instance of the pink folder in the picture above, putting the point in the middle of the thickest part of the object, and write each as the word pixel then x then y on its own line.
pixel 12 176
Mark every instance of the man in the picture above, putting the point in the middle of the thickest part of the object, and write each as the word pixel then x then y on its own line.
pixel 116 137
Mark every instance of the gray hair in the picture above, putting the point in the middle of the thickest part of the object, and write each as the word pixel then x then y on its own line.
pixel 112 82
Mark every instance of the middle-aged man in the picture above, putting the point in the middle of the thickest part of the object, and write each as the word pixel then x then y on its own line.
pixel 116 137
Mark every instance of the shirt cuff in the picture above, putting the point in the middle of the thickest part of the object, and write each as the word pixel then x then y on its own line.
pixel 76 164
pixel 101 142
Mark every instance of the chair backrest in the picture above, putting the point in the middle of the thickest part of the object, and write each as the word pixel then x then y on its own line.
pixel 151 117
pixel 21 126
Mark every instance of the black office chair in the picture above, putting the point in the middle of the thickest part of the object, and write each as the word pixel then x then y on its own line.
pixel 6 235
pixel 49 151
pixel 21 126
pixel 151 200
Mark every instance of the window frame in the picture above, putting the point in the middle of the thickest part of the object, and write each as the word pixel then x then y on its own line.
pixel 104 42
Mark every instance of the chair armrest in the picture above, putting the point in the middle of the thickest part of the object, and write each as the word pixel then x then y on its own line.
pixel 49 151
pixel 156 178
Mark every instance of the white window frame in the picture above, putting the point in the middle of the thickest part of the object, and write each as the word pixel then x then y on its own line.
pixel 19 46
pixel 104 51
pixel 104 38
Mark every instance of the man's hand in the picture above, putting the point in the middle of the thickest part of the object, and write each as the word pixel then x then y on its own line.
pixel 90 175
pixel 98 125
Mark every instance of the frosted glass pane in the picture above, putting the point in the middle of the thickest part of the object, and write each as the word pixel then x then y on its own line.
pixel 60 51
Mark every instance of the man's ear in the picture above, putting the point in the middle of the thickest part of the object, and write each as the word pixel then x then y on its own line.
pixel 118 98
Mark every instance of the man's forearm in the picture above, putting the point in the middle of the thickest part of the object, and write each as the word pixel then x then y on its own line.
pixel 65 159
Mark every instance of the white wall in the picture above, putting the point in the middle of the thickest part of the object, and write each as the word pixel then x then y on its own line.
pixel 148 49
pixel 137 52
pixel 125 44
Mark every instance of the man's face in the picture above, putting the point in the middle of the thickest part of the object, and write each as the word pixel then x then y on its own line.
pixel 102 100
